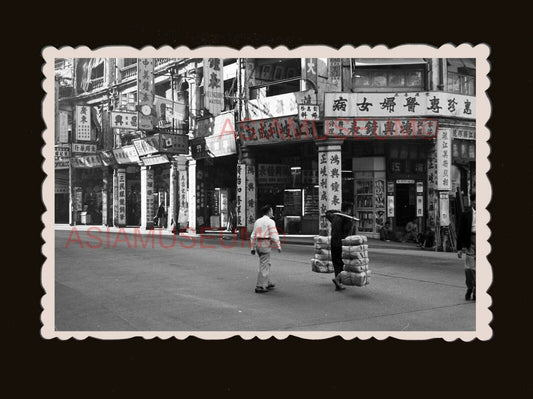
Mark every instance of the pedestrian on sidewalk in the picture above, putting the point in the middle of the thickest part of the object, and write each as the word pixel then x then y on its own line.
pixel 264 237
pixel 342 225
pixel 466 243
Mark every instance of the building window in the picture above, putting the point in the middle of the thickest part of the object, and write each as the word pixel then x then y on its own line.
pixel 461 84
pixel 398 78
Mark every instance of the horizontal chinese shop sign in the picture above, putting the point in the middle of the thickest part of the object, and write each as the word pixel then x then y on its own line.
pixel 155 160
pixel 80 147
pixel 173 143
pixel 425 104
pixel 280 105
pixel 126 155
pixel 465 134
pixel 391 128
pixel 124 120
pixel 276 130
pixel 213 146
pixel 87 161
pixel 147 145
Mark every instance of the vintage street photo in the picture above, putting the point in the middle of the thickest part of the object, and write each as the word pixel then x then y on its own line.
pixel 314 192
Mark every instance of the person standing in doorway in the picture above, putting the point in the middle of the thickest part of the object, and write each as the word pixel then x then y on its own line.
pixel 342 224
pixel 264 237
pixel 466 243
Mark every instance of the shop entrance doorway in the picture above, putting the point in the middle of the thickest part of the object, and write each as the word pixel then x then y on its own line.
pixel 405 204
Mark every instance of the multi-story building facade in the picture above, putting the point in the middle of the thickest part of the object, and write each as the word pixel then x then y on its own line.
pixel 394 136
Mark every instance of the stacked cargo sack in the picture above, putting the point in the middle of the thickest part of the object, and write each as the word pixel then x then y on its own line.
pixel 355 259
pixel 321 263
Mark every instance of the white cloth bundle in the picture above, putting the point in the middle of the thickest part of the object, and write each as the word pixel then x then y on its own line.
pixel 324 257
pixel 355 268
pixel 322 239
pixel 358 279
pixel 355 252
pixel 354 240
pixel 322 246
pixel 320 266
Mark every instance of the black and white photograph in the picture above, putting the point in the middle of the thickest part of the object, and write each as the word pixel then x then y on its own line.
pixel 314 192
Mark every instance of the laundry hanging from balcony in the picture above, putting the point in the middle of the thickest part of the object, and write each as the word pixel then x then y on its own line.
pixel 88 70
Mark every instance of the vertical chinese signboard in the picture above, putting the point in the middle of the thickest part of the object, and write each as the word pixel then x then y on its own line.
pixel 145 92
pixel 183 215
pixel 150 197
pixel 241 194
pixel 310 71
pixel 444 160
pixel 214 85
pixel 83 123
pixel 444 209
pixel 250 196
pixel 63 127
pixel 121 180
pixel 329 177
pixel 419 199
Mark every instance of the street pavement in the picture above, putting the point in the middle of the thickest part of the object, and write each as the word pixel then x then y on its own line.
pixel 201 284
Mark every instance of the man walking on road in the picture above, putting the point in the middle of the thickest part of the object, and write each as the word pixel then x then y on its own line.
pixel 264 236
pixel 466 242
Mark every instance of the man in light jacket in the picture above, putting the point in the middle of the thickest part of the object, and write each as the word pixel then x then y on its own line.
pixel 264 237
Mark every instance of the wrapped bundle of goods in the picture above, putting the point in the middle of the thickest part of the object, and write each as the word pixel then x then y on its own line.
pixel 354 240
pixel 321 263
pixel 321 266
pixel 355 259
pixel 358 279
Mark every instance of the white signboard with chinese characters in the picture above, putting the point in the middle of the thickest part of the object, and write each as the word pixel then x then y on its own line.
pixel 280 105
pixel 121 197
pixel 390 206
pixel 419 206
pixel 83 123
pixel 155 160
pixel 84 148
pixel 444 160
pixel 465 134
pixel 86 161
pixel 62 156
pixel 147 145
pixel 124 120
pixel 368 128
pixel 126 155
pixel 214 85
pixel 308 112
pixel 250 196
pixel 63 127
pixel 427 104
pixel 276 130
pixel 444 207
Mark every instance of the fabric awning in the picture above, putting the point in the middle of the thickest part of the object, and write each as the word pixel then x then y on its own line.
pixel 388 61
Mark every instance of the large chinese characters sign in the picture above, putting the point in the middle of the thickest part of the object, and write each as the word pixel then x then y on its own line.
pixel 213 85
pixel 425 104
pixel 145 93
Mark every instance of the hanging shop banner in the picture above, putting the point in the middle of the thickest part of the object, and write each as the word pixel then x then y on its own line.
pixel 428 104
pixel 183 215
pixel 216 125
pixel 213 85
pixel 107 158
pixel 121 197
pixel 308 112
pixel 83 148
pixel 126 155
pixel 390 206
pixel 444 209
pixel 145 93
pixel 444 160
pixel 310 70
pixel 150 211
pixel 62 156
pixel 335 69
pixel 63 127
pixel 147 145
pixel 124 120
pixel 155 160
pixel 250 196
pixel 83 123
pixel 240 208
pixel 173 143
pixel 273 174
pixel 276 130
pixel 465 134
pixel 87 161
pixel 280 105
pixel 213 146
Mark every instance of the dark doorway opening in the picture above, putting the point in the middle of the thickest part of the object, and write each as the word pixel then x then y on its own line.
pixel 405 204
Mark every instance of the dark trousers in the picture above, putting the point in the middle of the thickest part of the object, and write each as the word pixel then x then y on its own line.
pixel 336 259
pixel 470 279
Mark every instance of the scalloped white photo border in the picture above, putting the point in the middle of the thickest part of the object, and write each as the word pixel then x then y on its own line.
pixel 480 52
